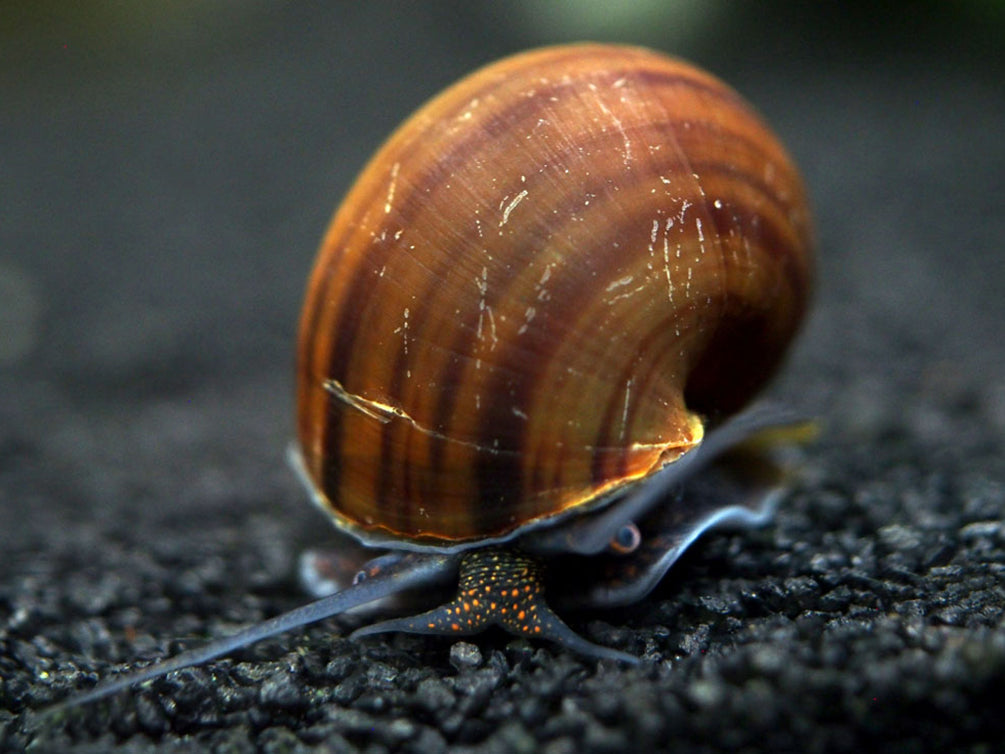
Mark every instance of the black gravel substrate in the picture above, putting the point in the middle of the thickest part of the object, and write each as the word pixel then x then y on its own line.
pixel 163 185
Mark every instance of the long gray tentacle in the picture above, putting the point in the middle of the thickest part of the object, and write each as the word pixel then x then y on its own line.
pixel 410 570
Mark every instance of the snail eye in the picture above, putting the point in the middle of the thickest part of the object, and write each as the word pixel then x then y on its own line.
pixel 626 539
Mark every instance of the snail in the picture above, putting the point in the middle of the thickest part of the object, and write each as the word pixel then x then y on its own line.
pixel 546 302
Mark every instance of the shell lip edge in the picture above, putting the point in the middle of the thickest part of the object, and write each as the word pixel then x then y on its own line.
pixel 383 537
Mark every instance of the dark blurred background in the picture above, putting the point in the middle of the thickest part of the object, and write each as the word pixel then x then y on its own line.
pixel 167 168
pixel 166 172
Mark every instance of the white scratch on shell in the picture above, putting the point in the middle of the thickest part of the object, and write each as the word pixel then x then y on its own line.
pixel 485 317
pixel 390 189
pixel 626 142
pixel 467 114
pixel 512 206
pixel 666 269
pixel 620 283
pixel 626 294
pixel 404 339
pixel 624 412
pixel 528 317
pixel 683 208
pixel 542 289
pixel 492 326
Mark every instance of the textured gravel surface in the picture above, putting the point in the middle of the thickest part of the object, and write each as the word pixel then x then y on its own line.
pixel 162 191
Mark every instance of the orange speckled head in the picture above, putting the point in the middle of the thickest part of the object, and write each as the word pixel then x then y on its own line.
pixel 540 289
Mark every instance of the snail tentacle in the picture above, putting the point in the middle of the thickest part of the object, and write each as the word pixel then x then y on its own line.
pixel 411 570
pixel 667 533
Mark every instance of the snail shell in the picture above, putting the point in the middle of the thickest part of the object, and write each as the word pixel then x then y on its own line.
pixel 540 289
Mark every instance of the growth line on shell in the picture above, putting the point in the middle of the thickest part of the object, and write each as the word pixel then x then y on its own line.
pixel 386 413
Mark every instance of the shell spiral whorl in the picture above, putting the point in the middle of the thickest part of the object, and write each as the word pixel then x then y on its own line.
pixel 538 290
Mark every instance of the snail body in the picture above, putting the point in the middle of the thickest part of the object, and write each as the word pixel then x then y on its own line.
pixel 541 307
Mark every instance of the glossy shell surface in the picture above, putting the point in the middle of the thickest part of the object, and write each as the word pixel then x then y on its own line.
pixel 540 288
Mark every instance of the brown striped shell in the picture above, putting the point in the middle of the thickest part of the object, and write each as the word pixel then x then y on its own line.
pixel 540 289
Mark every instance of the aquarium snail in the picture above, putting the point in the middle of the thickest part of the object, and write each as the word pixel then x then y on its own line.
pixel 541 307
